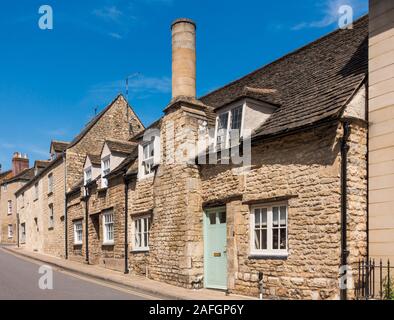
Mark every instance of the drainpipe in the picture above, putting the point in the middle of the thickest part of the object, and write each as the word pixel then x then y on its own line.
pixel 367 156
pixel 126 222
pixel 17 228
pixel 65 208
pixel 344 153
pixel 86 198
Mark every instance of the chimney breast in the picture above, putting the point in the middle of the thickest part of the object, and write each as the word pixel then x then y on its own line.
pixel 19 163
pixel 183 58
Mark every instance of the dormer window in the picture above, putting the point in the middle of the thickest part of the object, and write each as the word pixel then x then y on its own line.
pixel 88 175
pixel 105 170
pixel 228 124
pixel 148 157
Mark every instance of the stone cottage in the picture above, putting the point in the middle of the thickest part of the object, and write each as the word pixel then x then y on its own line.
pixel 12 180
pixel 275 196
pixel 41 202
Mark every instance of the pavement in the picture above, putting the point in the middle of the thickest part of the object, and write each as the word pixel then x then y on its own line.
pixel 139 287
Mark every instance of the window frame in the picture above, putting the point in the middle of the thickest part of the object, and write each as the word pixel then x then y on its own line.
pixel 86 180
pixel 143 247
pixel 9 207
pixel 150 160
pixel 106 240
pixel 269 252
pixel 10 231
pixel 50 183
pixel 23 232
pixel 229 112
pixel 76 232
pixel 51 216
pixel 105 171
pixel 36 192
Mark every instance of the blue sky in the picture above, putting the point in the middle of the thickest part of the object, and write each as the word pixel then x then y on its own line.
pixel 51 81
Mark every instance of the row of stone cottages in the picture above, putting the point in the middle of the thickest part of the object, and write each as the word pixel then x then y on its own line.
pixel 293 218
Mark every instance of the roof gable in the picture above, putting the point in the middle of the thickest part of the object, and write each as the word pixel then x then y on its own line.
pixel 97 118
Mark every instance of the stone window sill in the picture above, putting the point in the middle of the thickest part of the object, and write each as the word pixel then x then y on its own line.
pixel 268 256
pixel 140 251
pixel 109 244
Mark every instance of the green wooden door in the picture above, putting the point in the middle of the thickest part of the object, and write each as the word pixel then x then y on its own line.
pixel 215 249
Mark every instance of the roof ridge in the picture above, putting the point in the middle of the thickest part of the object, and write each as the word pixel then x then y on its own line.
pixel 359 20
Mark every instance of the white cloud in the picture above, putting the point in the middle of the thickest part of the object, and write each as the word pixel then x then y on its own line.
pixel 330 15
pixel 139 84
pixel 109 13
pixel 115 35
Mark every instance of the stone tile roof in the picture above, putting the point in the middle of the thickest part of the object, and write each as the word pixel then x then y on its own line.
pixel 5 175
pixel 119 146
pixel 25 175
pixel 95 159
pixel 42 164
pixel 59 146
pixel 310 85
pixel 45 165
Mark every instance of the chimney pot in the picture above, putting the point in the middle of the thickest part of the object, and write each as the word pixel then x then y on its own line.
pixel 19 163
pixel 183 58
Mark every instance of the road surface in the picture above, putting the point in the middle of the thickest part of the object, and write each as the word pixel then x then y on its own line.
pixel 19 280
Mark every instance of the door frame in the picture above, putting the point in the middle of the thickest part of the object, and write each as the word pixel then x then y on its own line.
pixel 205 219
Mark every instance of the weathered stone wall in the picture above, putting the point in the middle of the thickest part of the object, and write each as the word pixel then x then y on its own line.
pixel 140 202
pixel 305 166
pixel 5 218
pixel 176 250
pixel 357 197
pixel 112 198
pixel 54 236
pixel 31 214
pixel 75 211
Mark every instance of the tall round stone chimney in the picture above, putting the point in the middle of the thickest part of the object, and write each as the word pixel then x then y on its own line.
pixel 183 58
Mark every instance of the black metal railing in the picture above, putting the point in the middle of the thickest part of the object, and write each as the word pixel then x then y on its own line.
pixel 374 280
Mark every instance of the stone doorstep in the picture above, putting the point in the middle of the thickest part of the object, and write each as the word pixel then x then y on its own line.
pixel 141 284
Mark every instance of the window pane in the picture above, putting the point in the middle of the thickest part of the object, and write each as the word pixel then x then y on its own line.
pixel 264 218
pixel 145 239
pixel 152 149
pixel 275 240
pixel 282 216
pixel 223 121
pixel 263 239
pixel 236 118
pixel 222 217
pixel 275 217
pixel 212 218
pixel 283 238
pixel 257 218
pixel 257 239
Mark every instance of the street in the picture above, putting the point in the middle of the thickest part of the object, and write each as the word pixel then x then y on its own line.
pixel 19 280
